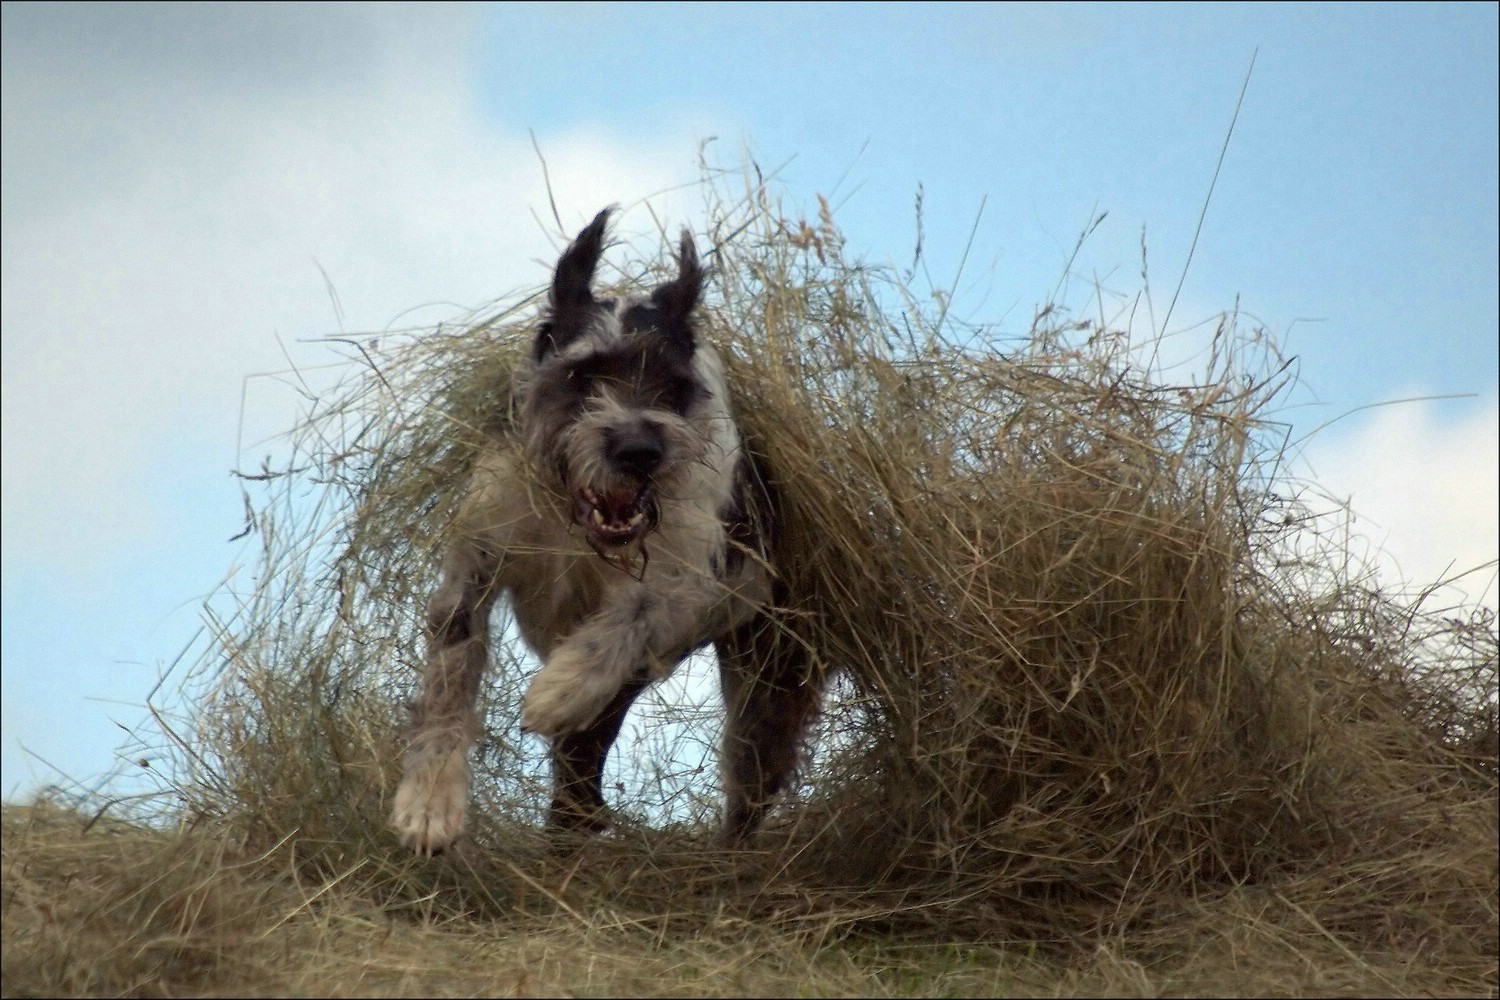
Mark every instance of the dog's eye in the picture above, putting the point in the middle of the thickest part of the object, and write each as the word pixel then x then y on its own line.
pixel 680 398
pixel 590 383
pixel 583 376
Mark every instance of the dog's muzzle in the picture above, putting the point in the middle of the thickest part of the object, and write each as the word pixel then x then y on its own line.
pixel 617 517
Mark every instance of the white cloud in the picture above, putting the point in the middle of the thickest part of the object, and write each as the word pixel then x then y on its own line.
pixel 171 198
pixel 1424 489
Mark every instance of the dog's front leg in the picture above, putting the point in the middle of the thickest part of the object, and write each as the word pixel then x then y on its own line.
pixel 433 797
pixel 640 634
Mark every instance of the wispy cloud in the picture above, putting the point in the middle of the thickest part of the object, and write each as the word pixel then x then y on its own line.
pixel 1423 487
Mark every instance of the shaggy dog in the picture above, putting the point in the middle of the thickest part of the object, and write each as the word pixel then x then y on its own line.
pixel 628 526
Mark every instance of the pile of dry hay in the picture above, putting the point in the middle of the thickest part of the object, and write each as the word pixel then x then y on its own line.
pixel 1088 688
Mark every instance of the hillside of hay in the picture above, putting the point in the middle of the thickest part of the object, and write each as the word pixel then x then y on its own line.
pixel 116 910
pixel 1112 714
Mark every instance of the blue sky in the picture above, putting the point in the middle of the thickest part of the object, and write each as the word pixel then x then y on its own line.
pixel 177 182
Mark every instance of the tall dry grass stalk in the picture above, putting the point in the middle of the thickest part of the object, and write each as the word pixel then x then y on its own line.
pixel 1088 691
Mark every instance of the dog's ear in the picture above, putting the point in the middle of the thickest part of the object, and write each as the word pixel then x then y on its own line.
pixel 676 299
pixel 572 282
pixel 572 292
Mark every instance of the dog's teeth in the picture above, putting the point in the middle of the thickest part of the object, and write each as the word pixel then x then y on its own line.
pixel 598 516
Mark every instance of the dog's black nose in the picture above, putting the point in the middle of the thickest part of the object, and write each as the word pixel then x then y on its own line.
pixel 636 452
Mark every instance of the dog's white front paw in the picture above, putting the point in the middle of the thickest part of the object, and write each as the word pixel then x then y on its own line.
pixel 566 696
pixel 432 802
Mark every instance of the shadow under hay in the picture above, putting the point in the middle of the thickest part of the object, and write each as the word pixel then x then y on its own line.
pixel 1087 686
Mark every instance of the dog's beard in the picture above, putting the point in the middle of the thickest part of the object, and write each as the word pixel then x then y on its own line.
pixel 615 503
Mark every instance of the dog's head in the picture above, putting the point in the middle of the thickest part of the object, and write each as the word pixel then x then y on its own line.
pixel 613 390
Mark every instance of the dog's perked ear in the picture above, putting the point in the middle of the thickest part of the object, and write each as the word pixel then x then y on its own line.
pixel 572 283
pixel 572 295
pixel 676 299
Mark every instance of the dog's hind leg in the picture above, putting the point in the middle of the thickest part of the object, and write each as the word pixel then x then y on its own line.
pixel 578 763
pixel 770 700
pixel 433 797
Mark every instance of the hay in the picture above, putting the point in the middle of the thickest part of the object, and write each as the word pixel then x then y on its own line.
pixel 1086 692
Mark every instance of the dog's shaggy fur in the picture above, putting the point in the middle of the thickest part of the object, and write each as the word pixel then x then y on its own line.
pixel 628 525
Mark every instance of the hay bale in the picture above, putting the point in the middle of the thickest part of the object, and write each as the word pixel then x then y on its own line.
pixel 1083 691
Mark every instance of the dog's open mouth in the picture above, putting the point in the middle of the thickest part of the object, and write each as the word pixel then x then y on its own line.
pixel 617 517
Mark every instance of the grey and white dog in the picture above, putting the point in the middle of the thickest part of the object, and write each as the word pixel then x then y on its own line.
pixel 628 526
